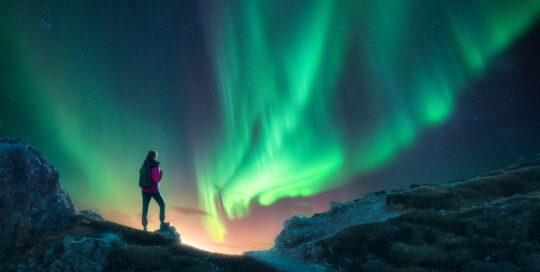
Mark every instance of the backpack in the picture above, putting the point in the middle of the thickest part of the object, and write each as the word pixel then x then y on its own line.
pixel 145 177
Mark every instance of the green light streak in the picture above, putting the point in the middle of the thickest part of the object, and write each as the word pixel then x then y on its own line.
pixel 80 116
pixel 282 70
pixel 279 71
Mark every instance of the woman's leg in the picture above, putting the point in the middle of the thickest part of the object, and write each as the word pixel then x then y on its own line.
pixel 145 201
pixel 161 203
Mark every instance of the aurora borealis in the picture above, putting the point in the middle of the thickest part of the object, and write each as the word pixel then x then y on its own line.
pixel 279 74
pixel 257 108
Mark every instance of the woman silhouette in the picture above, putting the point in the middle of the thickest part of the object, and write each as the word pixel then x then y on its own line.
pixel 153 191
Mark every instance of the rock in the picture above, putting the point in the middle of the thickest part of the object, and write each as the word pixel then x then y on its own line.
pixel 296 222
pixel 294 232
pixel 32 200
pixel 87 254
pixel 29 265
pixel 169 232
pixel 487 223
pixel 41 230
pixel 92 214
pixel 299 232
pixel 48 255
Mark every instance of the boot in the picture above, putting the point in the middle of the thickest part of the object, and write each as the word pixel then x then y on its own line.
pixel 164 225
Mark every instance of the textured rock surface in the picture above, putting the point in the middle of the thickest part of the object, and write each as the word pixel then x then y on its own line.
pixel 32 200
pixel 301 231
pixel 41 230
pixel 87 254
pixel 487 223
pixel 169 232
pixel 92 214
pixel 297 242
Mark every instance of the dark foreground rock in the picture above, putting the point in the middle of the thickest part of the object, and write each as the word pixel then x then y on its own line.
pixel 92 214
pixel 169 232
pixel 85 243
pixel 32 201
pixel 41 230
pixel 487 223
pixel 88 253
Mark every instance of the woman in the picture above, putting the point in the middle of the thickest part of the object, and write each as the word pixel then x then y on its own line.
pixel 153 191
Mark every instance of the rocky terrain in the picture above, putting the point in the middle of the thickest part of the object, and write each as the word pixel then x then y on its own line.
pixel 41 230
pixel 486 223
pixel 32 201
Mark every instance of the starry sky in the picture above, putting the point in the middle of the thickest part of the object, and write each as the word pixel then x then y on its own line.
pixel 260 110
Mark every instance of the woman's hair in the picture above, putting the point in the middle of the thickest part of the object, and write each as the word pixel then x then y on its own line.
pixel 151 155
pixel 150 158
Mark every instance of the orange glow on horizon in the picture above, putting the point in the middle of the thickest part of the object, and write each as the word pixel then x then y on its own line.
pixel 257 231
pixel 194 235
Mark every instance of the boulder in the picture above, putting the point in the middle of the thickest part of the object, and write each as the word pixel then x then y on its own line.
pixel 169 232
pixel 87 254
pixel 32 200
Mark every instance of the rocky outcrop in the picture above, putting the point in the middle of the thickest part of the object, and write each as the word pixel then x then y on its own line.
pixel 497 236
pixel 87 254
pixel 298 239
pixel 41 230
pixel 170 233
pixel 32 200
pixel 487 223
pixel 300 231
pixel 92 214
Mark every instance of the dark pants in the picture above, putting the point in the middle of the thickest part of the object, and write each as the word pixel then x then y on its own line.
pixel 146 200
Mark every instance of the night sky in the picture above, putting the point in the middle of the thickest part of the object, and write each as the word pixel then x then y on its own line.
pixel 260 110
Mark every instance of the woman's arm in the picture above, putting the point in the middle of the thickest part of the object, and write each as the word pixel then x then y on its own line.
pixel 156 174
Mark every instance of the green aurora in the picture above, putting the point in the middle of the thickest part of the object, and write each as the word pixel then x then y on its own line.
pixel 311 94
pixel 280 70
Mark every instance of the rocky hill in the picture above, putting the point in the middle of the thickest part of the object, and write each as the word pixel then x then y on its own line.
pixel 486 223
pixel 41 230
pixel 32 201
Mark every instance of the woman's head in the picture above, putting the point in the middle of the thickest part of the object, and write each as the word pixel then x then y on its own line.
pixel 152 155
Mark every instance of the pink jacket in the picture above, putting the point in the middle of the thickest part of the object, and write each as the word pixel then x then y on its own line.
pixel 157 174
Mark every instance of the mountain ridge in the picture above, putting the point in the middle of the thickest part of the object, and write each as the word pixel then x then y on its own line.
pixel 399 230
